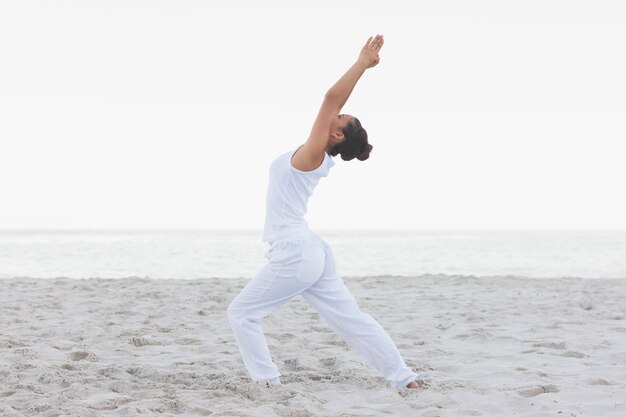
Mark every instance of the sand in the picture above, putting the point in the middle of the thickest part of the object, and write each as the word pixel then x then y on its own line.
pixel 488 346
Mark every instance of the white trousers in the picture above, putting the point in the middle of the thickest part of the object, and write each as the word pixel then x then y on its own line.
pixel 305 265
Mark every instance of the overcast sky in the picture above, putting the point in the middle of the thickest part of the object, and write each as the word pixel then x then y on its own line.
pixel 153 114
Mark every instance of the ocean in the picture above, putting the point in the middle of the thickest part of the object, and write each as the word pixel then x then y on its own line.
pixel 188 254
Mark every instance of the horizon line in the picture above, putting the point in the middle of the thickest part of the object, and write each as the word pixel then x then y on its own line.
pixel 260 230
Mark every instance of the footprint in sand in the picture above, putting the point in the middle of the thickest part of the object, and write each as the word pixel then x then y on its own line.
pixel 329 363
pixel 143 341
pixel 6 393
pixel 321 329
pixel 298 413
pixel 186 340
pixel 201 411
pixel 573 354
pixel 534 391
pixel 551 345
pixel 291 364
pixel 599 381
pixel 83 355
pixel 120 387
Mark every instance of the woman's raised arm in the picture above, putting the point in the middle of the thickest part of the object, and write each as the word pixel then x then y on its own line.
pixel 335 98
pixel 338 94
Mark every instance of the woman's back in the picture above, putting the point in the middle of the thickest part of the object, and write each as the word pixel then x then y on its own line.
pixel 288 192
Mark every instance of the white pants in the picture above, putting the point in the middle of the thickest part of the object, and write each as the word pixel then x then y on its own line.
pixel 305 265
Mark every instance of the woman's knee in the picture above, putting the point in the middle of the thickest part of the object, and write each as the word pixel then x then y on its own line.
pixel 236 314
pixel 240 313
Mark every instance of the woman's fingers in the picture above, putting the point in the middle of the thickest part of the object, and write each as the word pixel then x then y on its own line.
pixel 375 43
pixel 371 49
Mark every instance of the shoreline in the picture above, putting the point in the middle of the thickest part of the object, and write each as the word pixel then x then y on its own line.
pixel 346 277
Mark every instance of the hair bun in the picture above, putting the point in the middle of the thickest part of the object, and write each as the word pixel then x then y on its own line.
pixel 354 144
pixel 366 152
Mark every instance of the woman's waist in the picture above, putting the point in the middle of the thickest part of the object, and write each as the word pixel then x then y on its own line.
pixel 296 234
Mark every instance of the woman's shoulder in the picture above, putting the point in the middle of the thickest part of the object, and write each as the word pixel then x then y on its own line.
pixel 303 160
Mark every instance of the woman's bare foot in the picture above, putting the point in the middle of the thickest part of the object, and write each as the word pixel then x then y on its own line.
pixel 416 384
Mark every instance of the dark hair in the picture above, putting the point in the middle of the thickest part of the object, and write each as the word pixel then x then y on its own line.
pixel 355 143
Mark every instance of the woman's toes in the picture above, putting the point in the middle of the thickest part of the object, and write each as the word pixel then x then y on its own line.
pixel 415 384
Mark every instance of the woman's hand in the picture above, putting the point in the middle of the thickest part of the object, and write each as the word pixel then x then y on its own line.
pixel 369 54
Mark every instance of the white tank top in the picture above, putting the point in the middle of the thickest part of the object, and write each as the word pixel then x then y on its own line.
pixel 288 192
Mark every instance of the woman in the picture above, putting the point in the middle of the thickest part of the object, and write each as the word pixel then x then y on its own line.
pixel 300 262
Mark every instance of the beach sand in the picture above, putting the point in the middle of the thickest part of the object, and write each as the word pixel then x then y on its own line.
pixel 488 346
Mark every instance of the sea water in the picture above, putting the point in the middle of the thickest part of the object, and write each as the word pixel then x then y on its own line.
pixel 190 254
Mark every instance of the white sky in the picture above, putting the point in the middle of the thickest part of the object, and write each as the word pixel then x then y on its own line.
pixel 154 114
